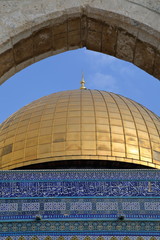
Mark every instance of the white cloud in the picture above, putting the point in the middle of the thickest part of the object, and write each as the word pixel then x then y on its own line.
pixel 99 59
pixel 126 70
pixel 103 82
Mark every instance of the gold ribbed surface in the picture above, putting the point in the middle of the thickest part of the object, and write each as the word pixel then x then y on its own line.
pixel 80 124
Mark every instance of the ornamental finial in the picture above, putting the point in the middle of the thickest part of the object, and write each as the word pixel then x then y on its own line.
pixel 82 83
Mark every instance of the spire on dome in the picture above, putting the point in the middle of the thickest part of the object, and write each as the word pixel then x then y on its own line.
pixel 83 83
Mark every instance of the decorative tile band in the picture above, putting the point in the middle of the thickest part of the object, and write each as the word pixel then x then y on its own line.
pixel 81 227
pixel 75 174
pixel 80 189
pixel 8 207
pixel 79 208
pixel 80 203
pixel 52 236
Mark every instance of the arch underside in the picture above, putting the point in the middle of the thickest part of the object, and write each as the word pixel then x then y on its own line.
pixel 83 164
pixel 110 31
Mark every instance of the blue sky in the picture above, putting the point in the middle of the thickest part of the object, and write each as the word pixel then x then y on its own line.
pixel 63 72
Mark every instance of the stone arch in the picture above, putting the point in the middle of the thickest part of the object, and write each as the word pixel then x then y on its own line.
pixel 126 29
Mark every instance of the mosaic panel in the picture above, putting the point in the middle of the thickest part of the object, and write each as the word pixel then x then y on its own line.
pixel 30 206
pixel 8 207
pixel 98 174
pixel 53 208
pixel 80 188
pixel 81 206
pixel 131 206
pixel 152 206
pixel 103 206
pixel 80 237
pixel 105 227
pixel 50 206
pixel 91 203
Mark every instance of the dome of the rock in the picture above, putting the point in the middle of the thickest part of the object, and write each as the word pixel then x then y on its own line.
pixel 80 125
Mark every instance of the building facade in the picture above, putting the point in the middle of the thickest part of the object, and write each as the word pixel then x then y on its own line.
pixel 80 164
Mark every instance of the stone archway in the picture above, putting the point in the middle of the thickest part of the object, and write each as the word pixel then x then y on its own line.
pixel 31 30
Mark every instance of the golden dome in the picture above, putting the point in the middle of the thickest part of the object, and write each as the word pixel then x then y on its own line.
pixel 80 124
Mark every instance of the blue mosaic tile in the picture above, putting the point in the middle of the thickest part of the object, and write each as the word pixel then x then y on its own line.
pixel 80 188
pixel 72 208
pixel 75 174
pixel 50 236
pixel 80 201
pixel 105 227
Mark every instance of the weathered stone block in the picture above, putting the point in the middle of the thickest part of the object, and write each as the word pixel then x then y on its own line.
pixel 125 45
pixel 74 24
pixel 83 30
pixel 6 61
pixel 94 25
pixel 60 28
pixel 156 72
pixel 109 39
pixel 60 41
pixel 74 39
pixel 42 41
pixel 144 56
pixel 94 41
pixel 23 50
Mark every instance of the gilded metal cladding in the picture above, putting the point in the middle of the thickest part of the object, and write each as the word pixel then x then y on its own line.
pixel 80 124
